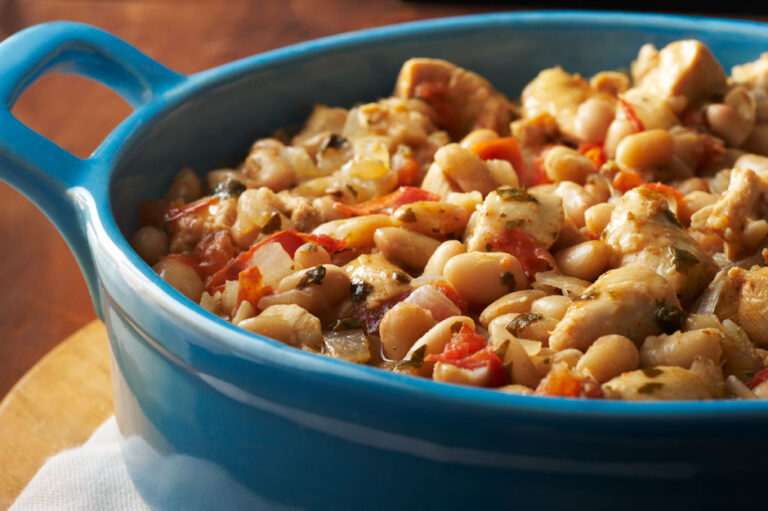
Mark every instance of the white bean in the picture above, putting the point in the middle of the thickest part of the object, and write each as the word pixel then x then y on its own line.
pixel 585 261
pixel 482 277
pixel 609 356
pixel 435 340
pixel 150 243
pixel 650 148
pixel 401 327
pixel 593 118
pixel 181 276
pixel 553 306
pixel 287 323
pixel 441 255
pixel 597 217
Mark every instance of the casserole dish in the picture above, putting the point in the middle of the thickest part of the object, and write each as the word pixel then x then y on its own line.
pixel 213 416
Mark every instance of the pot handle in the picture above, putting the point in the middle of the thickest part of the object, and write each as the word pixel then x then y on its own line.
pixel 38 168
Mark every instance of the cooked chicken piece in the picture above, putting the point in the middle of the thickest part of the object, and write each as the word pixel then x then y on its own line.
pixel 397 121
pixel 632 301
pixel 537 213
pixel 643 231
pixel 322 120
pixel 662 383
pixel 683 73
pixel 652 110
pixel 753 74
pixel 461 99
pixel 559 94
pixel 744 200
pixel 464 170
pixel 745 300
pixel 186 231
pixel 258 211
pixel 375 280
pixel 693 152
pixel 681 348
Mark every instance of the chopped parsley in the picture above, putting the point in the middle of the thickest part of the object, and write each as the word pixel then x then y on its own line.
pixel 652 372
pixel 407 216
pixel 508 279
pixel 360 290
pixel 346 324
pixel 312 276
pixel 682 259
pixel 402 277
pixel 333 141
pixel 229 188
pixel 515 194
pixel 523 320
pixel 650 388
pixel 416 360
pixel 513 224
pixel 668 317
pixel 672 218
pixel 273 224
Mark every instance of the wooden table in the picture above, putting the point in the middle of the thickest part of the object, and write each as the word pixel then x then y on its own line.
pixel 45 298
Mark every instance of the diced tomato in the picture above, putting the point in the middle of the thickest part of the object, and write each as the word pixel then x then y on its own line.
pixel 564 383
pixel 631 116
pixel 290 240
pixel 436 94
pixel 521 245
pixel 213 252
pixel 625 180
pixel 174 214
pixel 251 288
pixel 536 175
pixel 151 212
pixel 407 168
pixel 468 350
pixel 594 152
pixel 388 203
pixel 758 378
pixel 450 293
pixel 665 189
pixel 503 148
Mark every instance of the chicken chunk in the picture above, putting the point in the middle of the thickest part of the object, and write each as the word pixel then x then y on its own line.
pixel 745 301
pixel 322 120
pixel 376 280
pixel 468 172
pixel 662 383
pixel 632 301
pixel 683 72
pixel 753 74
pixel 462 100
pixel 643 231
pixel 538 214
pixel 744 200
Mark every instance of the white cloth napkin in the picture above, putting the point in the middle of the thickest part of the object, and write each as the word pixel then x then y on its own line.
pixel 90 477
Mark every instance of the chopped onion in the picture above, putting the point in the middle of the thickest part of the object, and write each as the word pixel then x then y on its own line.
pixel 571 287
pixel 429 298
pixel 349 345
pixel 274 263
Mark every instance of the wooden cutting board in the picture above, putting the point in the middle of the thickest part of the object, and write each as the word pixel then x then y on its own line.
pixel 55 406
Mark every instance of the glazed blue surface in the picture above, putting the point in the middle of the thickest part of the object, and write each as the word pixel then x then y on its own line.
pixel 215 416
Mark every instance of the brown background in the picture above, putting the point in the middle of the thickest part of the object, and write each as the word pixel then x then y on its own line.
pixel 43 297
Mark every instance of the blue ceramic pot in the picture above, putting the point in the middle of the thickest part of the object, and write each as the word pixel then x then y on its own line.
pixel 213 416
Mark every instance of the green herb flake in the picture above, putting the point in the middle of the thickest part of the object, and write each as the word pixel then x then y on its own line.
pixel 652 372
pixel 630 216
pixel 402 277
pixel 671 218
pixel 668 317
pixel 416 360
pixel 333 141
pixel 508 370
pixel 456 327
pixel 359 290
pixel 650 388
pixel 312 276
pixel 488 247
pixel 515 194
pixel 508 279
pixel 352 190
pixel 523 320
pixel 682 259
pixel 513 224
pixel 273 224
pixel 229 188
pixel 407 216
pixel 346 324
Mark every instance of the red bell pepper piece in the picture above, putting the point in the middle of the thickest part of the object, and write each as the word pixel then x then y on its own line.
pixel 758 378
pixel 665 189
pixel 625 180
pixel 452 295
pixel 468 350
pixel 251 288
pixel 388 203
pixel 594 152
pixel 521 245
pixel 175 214
pixel 631 116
